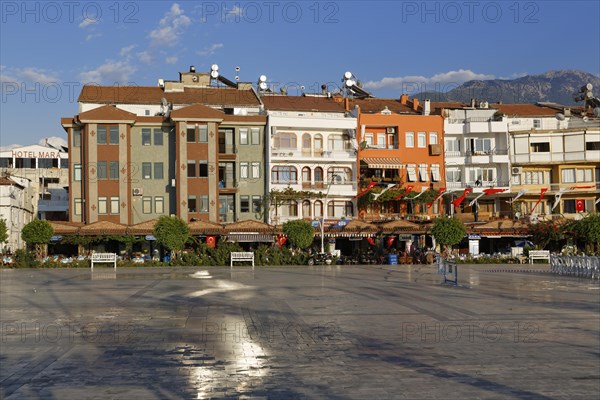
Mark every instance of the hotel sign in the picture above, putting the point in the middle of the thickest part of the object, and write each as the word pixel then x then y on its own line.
pixel 34 154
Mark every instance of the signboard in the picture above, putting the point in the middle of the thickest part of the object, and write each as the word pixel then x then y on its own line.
pixel 35 154
pixel 56 238
pixel 150 237
pixel 315 224
pixel 474 237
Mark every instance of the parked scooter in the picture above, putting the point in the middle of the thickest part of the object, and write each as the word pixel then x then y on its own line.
pixel 320 259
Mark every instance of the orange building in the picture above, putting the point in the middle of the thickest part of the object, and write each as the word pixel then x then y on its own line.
pixel 400 144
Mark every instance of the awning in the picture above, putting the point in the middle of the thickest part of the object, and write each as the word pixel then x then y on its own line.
pixel 382 162
pixel 244 237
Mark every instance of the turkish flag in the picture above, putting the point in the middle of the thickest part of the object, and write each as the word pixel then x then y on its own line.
pixel 281 239
pixel 580 205
pixel 369 187
pixel 409 188
pixel 390 240
pixel 211 241
pixel 460 199
pixel 371 241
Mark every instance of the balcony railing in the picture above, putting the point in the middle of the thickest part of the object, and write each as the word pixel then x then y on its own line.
pixel 493 152
pixel 587 155
pixel 484 184
pixel 303 153
pixel 227 149
pixel 228 184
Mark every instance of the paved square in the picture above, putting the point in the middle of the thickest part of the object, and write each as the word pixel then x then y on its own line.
pixel 388 332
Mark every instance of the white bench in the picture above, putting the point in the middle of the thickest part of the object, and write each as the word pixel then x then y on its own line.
pixel 241 256
pixel 103 258
pixel 539 255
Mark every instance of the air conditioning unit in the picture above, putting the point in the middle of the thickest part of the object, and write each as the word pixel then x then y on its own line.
pixel 516 170
pixel 435 149
pixel 391 130
pixel 138 191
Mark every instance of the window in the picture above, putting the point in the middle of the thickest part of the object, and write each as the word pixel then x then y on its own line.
pixel 369 139
pixel 584 175
pixel 146 137
pixel 453 175
pixel 335 143
pixel 255 133
pixel 341 174
pixel 306 209
pixel 533 178
pixel 114 205
pixel 192 204
pixel 244 203
pixel 433 138
pixel 77 206
pixel 203 133
pixel 592 145
pixel 391 141
pixel 487 174
pixel 423 173
pixel 284 174
pixel 306 174
pixel 114 135
pixel 410 139
pixel 318 208
pixel 411 172
pixel 191 135
pixel 77 172
pixel 76 138
pixel 244 170
pixel 101 135
pixel 291 208
pixel 381 140
pixel 349 209
pixel 318 143
pixel 158 137
pixel 159 205
pixel 158 170
pixel 102 205
pixel 306 142
pixel 284 140
pixel 243 135
pixel 255 170
pixel 101 170
pixel 479 145
pixel 435 173
pixel 256 204
pixel 146 170
pixel 543 147
pixel 537 123
pixel 147 205
pixel 568 175
pixel 114 170
pixel 203 203
pixel 422 140
pixel 569 207
pixel 319 175
pixel 331 208
pixel 453 145
pixel 203 169
pixel 191 169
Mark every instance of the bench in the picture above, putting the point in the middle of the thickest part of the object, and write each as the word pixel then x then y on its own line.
pixel 241 256
pixel 539 255
pixel 103 258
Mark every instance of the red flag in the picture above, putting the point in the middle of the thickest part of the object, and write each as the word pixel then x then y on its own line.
pixel 281 239
pixel 490 191
pixel 460 199
pixel 390 240
pixel 409 188
pixel 582 187
pixel 371 241
pixel 369 187
pixel 542 191
pixel 211 241
pixel 579 205
pixel 439 194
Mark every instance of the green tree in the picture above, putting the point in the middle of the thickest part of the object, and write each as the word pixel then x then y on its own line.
pixel 586 230
pixel 172 233
pixel 448 231
pixel 38 233
pixel 300 233
pixel 3 231
pixel 543 233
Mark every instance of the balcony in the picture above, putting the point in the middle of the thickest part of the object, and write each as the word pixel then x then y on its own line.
pixel 227 217
pixel 477 188
pixel 228 184
pixel 337 155
pixel 53 205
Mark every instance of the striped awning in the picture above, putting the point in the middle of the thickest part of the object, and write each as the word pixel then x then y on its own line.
pixel 382 162
pixel 250 237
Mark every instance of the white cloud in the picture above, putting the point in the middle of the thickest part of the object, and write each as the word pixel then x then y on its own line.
pixel 28 74
pixel 54 141
pixel 170 27
pixel 145 57
pixel 210 50
pixel 110 72
pixel 10 147
pixel 450 78
pixel 92 36
pixel 171 60
pixel 87 22
pixel 126 51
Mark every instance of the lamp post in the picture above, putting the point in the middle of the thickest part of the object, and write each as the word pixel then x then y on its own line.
pixel 334 176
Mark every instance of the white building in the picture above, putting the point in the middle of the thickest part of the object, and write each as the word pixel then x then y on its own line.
pixel 312 149
pixel 16 209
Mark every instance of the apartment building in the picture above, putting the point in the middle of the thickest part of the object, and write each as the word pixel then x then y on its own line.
pixel 311 156
pixel 191 147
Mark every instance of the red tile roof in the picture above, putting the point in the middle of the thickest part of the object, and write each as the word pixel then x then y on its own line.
pixel 302 103
pixel 375 105
pixel 154 95
pixel 198 111
pixel 107 113
pixel 6 181
pixel 524 110
pixel 249 226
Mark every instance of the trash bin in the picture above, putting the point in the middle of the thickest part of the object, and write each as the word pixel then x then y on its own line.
pixel 393 259
pixel 166 259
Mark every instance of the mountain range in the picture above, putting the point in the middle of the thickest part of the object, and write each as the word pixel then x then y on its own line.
pixel 553 86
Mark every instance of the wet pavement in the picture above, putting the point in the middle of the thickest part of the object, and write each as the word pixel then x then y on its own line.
pixel 348 332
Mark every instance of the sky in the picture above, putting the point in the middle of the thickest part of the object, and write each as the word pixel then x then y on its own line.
pixel 50 49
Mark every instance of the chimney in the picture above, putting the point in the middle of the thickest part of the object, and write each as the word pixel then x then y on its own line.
pixel 404 99
pixel 323 89
pixel 192 68
pixel 473 103
pixel 416 104
pixel 427 107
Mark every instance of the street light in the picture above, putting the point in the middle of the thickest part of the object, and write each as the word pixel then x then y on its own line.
pixel 334 176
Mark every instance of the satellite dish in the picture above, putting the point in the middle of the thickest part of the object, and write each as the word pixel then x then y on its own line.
pixel 262 78
pixel 214 74
pixel 237 78
pixel 586 87
pixel 359 84
pixel 302 87
pixel 585 119
pixel 214 67
pixel 263 85
pixel 560 116
pixel 597 112
pixel 350 83
pixel 348 75
pixel 237 69
pixel 283 91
